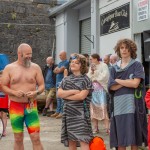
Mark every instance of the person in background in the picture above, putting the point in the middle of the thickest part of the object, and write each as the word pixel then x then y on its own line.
pixel 128 125
pixel 147 100
pixel 113 59
pixel 67 71
pixel 76 91
pixel 87 60
pixel 50 85
pixel 99 74
pixel 59 71
pixel 26 82
pixel 3 106
pixel 106 60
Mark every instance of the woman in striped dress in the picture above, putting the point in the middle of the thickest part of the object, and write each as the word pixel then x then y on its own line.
pixel 76 91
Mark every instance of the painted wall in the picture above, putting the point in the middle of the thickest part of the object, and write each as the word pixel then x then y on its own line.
pixel 85 12
pixel 140 26
pixel 67 30
pixel 67 33
pixel 95 24
pixel 60 35
pixel 72 32
pixel 108 42
pixel 137 39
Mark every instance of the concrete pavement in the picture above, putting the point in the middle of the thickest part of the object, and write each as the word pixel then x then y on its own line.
pixel 50 136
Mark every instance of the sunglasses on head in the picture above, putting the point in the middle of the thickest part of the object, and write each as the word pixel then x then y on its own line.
pixel 73 57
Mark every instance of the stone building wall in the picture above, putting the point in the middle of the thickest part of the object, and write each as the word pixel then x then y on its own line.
pixel 26 23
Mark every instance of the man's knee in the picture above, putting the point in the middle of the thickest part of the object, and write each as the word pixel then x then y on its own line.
pixel 18 138
pixel 35 138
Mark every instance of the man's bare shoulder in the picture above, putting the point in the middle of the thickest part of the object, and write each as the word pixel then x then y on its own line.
pixel 34 65
pixel 11 66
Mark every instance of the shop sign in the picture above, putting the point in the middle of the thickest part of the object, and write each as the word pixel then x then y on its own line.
pixel 142 10
pixel 115 20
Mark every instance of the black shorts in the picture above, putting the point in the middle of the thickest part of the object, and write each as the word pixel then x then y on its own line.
pixel 4 110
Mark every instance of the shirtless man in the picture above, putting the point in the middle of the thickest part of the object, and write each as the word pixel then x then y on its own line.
pixel 25 82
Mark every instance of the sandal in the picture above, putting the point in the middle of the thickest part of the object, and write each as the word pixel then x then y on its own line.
pixel 95 131
pixel 108 131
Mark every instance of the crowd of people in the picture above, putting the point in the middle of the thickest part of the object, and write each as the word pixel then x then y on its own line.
pixel 88 90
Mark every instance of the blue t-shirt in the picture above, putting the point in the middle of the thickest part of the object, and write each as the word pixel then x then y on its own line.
pixel 49 82
pixel 60 76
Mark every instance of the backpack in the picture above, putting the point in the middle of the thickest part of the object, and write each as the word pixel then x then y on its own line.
pixel 97 143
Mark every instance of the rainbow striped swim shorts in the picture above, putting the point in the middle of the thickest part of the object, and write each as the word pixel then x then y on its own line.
pixel 21 113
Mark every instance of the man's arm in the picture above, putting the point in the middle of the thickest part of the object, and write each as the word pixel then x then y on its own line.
pixel 6 81
pixel 40 81
pixel 59 70
pixel 116 87
pixel 40 84
pixel 130 83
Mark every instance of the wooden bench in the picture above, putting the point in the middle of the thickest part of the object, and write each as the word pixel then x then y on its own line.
pixel 41 101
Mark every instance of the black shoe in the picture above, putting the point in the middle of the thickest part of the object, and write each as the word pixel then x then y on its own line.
pixel 44 112
pixel 50 113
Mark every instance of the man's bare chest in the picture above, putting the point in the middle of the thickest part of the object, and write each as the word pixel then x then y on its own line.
pixel 22 76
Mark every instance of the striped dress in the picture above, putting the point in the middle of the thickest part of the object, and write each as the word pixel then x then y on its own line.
pixel 76 123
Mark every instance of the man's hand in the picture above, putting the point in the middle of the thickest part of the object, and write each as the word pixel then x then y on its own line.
pixel 117 80
pixel 56 70
pixel 59 70
pixel 19 93
pixel 31 94
pixel 65 73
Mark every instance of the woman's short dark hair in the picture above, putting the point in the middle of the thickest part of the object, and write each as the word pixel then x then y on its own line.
pixel 86 55
pixel 96 56
pixel 82 60
pixel 129 44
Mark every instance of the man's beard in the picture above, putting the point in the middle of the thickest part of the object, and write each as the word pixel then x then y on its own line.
pixel 27 63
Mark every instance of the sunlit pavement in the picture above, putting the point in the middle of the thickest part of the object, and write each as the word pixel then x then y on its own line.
pixel 50 136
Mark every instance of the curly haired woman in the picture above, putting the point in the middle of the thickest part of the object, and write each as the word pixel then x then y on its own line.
pixel 76 91
pixel 128 123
